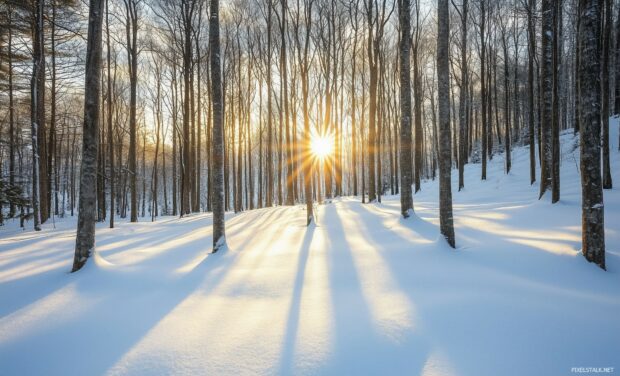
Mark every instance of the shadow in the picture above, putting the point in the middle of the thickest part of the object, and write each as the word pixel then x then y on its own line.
pixel 118 296
pixel 359 340
pixel 286 364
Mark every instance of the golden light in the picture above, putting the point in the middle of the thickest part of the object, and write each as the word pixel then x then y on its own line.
pixel 322 146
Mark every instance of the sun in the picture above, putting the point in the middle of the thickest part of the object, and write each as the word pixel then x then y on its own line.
pixel 322 146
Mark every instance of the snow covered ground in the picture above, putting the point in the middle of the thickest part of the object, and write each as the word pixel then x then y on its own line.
pixel 362 292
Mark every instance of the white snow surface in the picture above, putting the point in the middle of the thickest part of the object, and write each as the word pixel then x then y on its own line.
pixel 361 292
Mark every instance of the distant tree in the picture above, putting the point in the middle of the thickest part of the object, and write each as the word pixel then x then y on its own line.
pixel 483 88
pixel 131 31
pixel 85 238
pixel 463 99
pixel 531 55
pixel 109 116
pixel 546 77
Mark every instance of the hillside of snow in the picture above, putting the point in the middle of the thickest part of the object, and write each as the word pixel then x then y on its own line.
pixel 361 292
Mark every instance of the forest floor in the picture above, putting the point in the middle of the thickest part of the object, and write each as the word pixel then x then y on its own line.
pixel 361 292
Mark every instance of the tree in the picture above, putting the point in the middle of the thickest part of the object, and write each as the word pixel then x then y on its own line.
pixel 605 92
pixel 546 79
pixel 531 53
pixel 617 70
pixel 463 100
pixel 219 236
pixel 85 238
pixel 131 29
pixel 555 105
pixel 483 88
pixel 593 217
pixel 443 84
pixel 37 116
pixel 406 199
pixel 109 117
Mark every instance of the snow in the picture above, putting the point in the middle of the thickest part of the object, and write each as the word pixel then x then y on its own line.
pixel 361 291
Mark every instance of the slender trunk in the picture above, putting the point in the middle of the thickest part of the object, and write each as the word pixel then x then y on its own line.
pixel 531 32
pixel 406 199
pixel 605 62
pixel 219 236
pixel 109 119
pixel 546 75
pixel 463 98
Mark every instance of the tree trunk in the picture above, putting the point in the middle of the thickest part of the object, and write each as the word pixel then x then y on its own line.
pixel 109 119
pixel 483 89
pixel 592 219
pixel 131 29
pixel 531 32
pixel 37 115
pixel 219 236
pixel 443 84
pixel 605 62
pixel 546 73
pixel 12 140
pixel 85 239
pixel 406 199
pixel 463 98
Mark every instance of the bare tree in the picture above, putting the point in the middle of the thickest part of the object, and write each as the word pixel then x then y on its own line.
pixel 592 218
pixel 463 99
pixel 85 238
pixel 406 197
pixel 605 86
pixel 219 235
pixel 37 116
pixel 443 86
pixel 546 79
pixel 131 30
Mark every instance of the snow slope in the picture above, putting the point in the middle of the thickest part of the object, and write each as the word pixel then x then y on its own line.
pixel 361 292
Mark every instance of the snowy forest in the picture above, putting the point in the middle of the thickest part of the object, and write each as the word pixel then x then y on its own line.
pixel 309 187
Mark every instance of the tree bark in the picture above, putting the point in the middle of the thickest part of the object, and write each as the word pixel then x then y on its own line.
pixel 546 77
pixel 85 238
pixel 406 199
pixel 605 62
pixel 219 236
pixel 463 99
pixel 592 219
pixel 443 85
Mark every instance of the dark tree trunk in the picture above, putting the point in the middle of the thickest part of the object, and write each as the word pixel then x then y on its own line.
pixel 12 140
pixel 109 119
pixel 483 89
pixel 593 222
pixel 85 239
pixel 463 98
pixel 531 32
pixel 219 236
pixel 406 199
pixel 546 77
pixel 37 115
pixel 605 62
pixel 555 109
pixel 131 29
pixel 443 84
